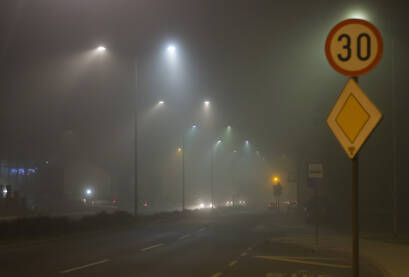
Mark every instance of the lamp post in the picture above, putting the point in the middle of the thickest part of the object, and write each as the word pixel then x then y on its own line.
pixel 234 187
pixel 212 172
pixel 183 150
pixel 171 50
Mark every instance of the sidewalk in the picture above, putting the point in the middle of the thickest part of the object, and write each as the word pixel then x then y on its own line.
pixel 389 258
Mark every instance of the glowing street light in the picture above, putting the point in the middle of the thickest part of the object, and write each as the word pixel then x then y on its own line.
pixel 206 103
pixel 219 141
pixel 180 149
pixel 101 49
pixel 161 102
pixel 171 49
pixel 357 14
pixel 276 180
pixel 88 191
pixel 194 126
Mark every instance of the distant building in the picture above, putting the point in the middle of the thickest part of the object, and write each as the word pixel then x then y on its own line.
pixel 34 183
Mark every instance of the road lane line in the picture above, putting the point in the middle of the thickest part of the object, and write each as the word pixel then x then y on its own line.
pixel 275 275
pixel 184 236
pixel 233 263
pixel 310 258
pixel 290 260
pixel 84 266
pixel 243 254
pixel 201 230
pixel 217 274
pixel 151 247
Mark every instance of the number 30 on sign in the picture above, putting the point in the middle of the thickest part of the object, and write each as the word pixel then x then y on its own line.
pixel 354 47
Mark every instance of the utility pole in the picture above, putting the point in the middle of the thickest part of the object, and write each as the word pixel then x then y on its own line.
pixel 212 177
pixel 136 145
pixel 394 148
pixel 183 173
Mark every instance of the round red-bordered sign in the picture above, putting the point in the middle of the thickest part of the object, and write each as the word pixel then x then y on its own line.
pixel 354 47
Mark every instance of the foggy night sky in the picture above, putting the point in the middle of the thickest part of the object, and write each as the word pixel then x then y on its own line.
pixel 261 64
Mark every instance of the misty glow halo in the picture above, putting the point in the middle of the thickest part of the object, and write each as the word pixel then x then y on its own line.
pixel 101 49
pixel 171 49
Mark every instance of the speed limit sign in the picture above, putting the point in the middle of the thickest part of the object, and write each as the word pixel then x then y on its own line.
pixel 354 47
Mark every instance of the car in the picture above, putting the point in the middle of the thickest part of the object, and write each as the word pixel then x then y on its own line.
pixel 273 205
pixel 242 203
pixel 228 203
pixel 292 205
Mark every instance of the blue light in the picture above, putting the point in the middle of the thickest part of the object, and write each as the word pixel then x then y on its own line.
pixel 22 171
pixel 31 171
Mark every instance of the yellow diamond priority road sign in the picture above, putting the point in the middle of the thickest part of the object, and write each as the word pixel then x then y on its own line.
pixel 353 118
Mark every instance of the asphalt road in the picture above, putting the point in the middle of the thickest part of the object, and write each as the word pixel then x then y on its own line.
pixel 209 245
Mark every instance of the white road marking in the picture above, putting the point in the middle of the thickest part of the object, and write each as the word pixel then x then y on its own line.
pixel 84 266
pixel 201 230
pixel 292 260
pixel 184 236
pixel 151 247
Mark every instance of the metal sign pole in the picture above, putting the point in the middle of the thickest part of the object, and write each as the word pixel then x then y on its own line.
pixel 355 213
pixel 318 215
pixel 355 216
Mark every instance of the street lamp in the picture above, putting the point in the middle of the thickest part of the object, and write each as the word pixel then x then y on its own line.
pixel 171 49
pixel 206 103
pixel 357 14
pixel 101 49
